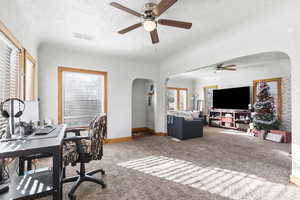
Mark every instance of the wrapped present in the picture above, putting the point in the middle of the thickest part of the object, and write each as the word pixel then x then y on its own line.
pixel 287 136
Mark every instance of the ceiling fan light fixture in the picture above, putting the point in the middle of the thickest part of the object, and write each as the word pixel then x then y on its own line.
pixel 218 71
pixel 149 25
pixel 150 22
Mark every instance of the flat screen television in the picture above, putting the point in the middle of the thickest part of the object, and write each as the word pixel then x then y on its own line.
pixel 233 98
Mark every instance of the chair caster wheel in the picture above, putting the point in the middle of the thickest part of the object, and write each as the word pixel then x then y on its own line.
pixel 104 186
pixel 72 197
pixel 103 172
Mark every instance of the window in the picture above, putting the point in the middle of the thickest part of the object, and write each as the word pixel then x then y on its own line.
pixel 208 97
pixel 177 98
pixel 30 72
pixel 172 97
pixel 10 55
pixel 82 95
pixel 182 100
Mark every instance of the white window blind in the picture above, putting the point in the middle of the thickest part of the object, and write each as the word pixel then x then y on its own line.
pixel 83 97
pixel 182 100
pixel 177 99
pixel 172 97
pixel 9 73
pixel 29 80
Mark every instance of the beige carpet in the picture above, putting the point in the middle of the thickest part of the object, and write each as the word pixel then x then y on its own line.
pixel 224 164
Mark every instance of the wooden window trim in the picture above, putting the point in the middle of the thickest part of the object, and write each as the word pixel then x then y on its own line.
pixel 210 86
pixel 62 69
pixel 8 34
pixel 178 98
pixel 279 92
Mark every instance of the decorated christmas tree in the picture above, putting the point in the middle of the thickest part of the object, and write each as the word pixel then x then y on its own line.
pixel 265 117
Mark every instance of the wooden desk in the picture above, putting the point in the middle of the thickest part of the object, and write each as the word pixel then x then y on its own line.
pixel 39 184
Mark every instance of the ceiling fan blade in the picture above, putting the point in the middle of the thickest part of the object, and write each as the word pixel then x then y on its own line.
pixel 130 28
pixel 229 69
pixel 175 23
pixel 119 6
pixel 229 66
pixel 154 36
pixel 200 68
pixel 218 67
pixel 163 6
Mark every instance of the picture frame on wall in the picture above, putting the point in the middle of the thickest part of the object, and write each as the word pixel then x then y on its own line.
pixel 275 85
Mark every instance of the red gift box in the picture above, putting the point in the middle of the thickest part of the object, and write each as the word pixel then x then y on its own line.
pixel 287 136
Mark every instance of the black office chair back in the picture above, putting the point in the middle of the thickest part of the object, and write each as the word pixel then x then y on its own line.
pixel 98 133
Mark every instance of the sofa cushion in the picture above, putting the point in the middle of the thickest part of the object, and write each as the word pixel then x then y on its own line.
pixel 187 115
pixel 195 115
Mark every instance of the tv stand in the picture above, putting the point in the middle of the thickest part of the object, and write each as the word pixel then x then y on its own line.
pixel 230 118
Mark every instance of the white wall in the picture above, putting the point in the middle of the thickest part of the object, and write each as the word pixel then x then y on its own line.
pixel 278 30
pixel 121 73
pixel 139 103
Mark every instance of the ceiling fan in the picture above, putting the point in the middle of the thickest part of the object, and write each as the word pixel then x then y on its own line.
pixel 149 18
pixel 221 67
pixel 218 68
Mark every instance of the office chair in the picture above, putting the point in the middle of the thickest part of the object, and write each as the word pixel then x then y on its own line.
pixel 81 149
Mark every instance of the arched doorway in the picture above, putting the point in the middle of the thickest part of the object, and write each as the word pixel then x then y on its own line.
pixel 143 107
pixel 264 66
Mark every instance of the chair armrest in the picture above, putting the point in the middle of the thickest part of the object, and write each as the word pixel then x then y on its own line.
pixel 75 138
pixel 74 130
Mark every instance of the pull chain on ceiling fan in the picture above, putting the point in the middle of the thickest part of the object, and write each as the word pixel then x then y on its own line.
pixel 149 18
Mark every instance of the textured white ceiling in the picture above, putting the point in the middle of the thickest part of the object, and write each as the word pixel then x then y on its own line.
pixel 56 20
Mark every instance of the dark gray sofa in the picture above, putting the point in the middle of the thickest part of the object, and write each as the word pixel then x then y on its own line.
pixel 183 129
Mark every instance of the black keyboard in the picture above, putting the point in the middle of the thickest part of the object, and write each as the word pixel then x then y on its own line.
pixel 44 131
